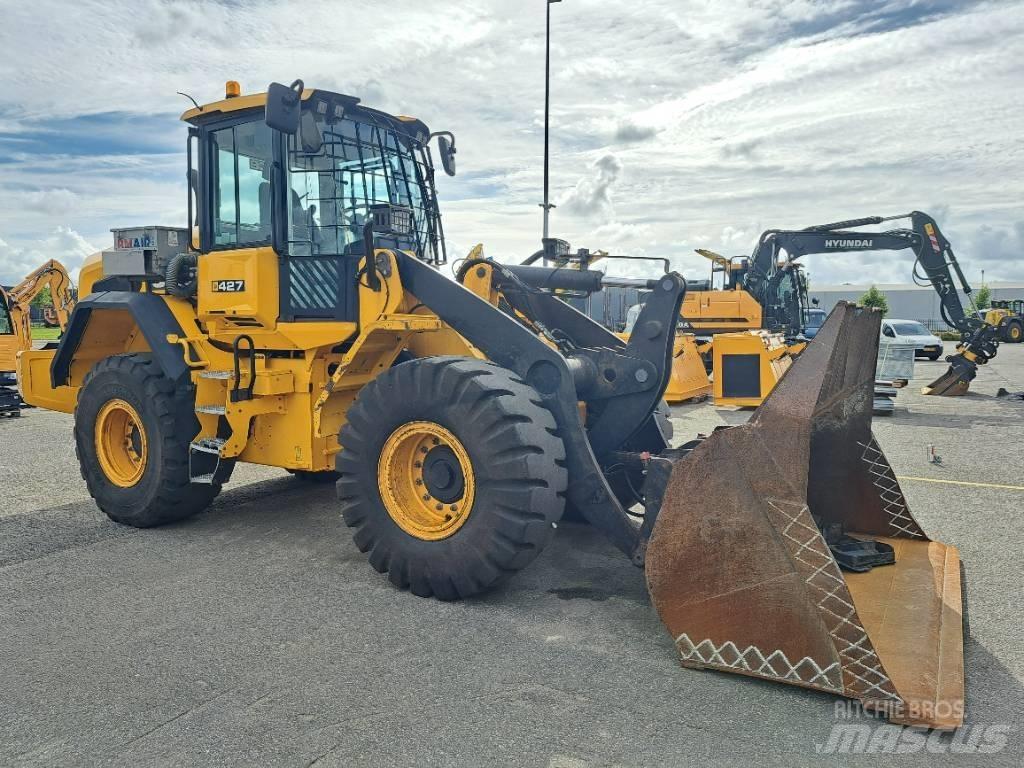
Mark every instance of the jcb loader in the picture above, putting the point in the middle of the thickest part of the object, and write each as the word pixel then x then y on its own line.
pixel 300 321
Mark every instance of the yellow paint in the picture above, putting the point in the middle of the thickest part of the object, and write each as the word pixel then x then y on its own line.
pixel 121 445
pixel 722 310
pixel 774 359
pixel 403 488
pixel 961 482
pixel 34 383
pixel 689 379
pixel 226 106
pixel 258 303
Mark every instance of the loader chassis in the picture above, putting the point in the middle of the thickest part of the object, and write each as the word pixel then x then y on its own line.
pixel 304 324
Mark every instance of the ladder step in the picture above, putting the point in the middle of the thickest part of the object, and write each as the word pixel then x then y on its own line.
pixel 203 479
pixel 216 375
pixel 209 445
pixel 216 410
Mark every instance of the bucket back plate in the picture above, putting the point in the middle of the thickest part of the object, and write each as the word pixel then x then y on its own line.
pixel 742 576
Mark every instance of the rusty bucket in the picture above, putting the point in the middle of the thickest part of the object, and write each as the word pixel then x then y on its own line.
pixel 742 563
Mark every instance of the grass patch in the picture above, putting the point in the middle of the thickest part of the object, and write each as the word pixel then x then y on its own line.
pixel 42 333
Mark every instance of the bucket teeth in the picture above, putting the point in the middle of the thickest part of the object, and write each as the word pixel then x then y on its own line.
pixel 740 572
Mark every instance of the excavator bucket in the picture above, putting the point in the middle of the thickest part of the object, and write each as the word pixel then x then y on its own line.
pixel 956 380
pixel 743 564
pixel 689 380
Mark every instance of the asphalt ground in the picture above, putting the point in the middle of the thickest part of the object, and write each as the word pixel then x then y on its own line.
pixel 256 633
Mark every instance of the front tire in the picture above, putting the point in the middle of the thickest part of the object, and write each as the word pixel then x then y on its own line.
pixel 1013 333
pixel 133 428
pixel 452 475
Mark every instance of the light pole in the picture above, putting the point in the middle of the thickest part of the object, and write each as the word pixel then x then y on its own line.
pixel 547 101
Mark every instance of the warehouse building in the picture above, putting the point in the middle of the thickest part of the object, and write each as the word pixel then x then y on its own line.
pixel 906 300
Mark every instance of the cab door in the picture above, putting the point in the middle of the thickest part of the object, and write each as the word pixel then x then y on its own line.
pixel 238 268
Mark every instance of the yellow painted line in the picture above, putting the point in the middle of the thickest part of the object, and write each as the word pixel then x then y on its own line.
pixel 962 482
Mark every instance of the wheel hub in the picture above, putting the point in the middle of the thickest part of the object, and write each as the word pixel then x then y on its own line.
pixel 442 474
pixel 120 441
pixel 426 480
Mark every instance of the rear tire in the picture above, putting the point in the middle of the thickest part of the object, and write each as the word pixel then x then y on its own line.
pixel 133 428
pixel 501 456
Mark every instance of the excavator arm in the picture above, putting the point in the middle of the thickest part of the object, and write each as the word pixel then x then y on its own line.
pixel 52 274
pixel 935 264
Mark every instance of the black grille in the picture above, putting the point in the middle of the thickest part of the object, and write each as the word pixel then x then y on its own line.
pixel 313 286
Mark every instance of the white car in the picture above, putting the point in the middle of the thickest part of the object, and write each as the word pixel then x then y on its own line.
pixel 926 343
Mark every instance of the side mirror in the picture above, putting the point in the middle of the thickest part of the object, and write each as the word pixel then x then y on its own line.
pixel 446 148
pixel 283 107
pixel 887 331
pixel 309 134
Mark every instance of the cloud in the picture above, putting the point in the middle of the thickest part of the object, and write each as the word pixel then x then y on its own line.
pixel 63 244
pixel 718 117
pixel 53 202
pixel 628 131
pixel 592 195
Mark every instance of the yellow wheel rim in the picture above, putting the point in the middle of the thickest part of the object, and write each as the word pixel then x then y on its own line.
pixel 1015 333
pixel 121 443
pixel 426 480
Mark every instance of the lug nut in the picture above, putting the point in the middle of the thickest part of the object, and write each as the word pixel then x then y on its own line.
pixel 419 481
pixel 435 441
pixel 439 507
pixel 417 464
pixel 426 497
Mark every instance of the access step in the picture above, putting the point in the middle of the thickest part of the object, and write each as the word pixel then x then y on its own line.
pixel 216 410
pixel 209 445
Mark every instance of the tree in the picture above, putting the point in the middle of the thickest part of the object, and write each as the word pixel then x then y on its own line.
pixel 875 298
pixel 43 298
pixel 983 298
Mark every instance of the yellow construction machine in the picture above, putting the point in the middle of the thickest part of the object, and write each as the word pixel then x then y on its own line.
pixel 16 322
pixel 300 320
pixel 1008 317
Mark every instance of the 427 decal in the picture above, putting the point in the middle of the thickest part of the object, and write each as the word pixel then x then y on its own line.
pixel 228 286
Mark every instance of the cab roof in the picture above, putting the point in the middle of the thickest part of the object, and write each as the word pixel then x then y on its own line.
pixel 409 126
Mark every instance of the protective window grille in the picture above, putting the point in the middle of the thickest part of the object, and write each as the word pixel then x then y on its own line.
pixel 362 163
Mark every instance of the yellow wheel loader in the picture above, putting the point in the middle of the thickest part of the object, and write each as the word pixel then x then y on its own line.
pixel 1008 317
pixel 300 320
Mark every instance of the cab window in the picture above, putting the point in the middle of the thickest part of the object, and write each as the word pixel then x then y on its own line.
pixel 6 326
pixel 241 157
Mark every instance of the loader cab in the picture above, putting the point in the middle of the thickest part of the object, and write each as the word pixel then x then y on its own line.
pixel 282 215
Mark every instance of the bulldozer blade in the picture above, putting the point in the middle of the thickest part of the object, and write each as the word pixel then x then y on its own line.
pixel 741 574
pixel 955 381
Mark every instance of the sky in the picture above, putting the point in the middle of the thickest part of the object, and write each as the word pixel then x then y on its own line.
pixel 675 124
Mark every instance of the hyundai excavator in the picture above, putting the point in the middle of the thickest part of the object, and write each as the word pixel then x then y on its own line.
pixel 16 322
pixel 299 319
pixel 772 281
